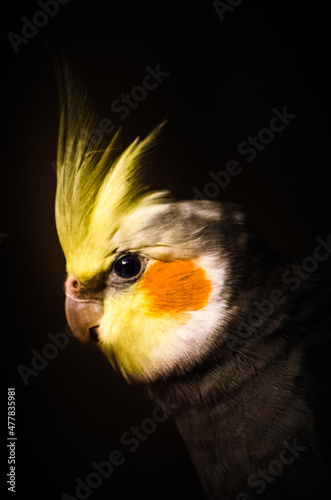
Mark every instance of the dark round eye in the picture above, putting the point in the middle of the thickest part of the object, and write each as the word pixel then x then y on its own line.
pixel 128 265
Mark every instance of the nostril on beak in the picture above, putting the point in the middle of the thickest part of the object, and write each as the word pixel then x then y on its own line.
pixel 94 333
pixel 73 285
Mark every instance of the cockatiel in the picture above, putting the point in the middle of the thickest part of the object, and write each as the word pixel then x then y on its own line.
pixel 187 297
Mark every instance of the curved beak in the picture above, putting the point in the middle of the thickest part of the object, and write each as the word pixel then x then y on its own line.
pixel 83 314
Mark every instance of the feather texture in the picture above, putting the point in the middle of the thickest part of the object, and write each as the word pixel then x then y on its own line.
pixel 96 189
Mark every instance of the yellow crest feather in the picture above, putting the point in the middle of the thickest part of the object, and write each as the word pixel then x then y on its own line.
pixel 96 190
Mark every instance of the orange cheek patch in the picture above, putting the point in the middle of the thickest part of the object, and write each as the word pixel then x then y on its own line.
pixel 176 286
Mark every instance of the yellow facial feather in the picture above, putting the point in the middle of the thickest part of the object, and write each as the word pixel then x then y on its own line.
pixel 133 336
pixel 138 324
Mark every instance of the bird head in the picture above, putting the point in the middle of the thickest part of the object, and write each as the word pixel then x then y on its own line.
pixel 148 278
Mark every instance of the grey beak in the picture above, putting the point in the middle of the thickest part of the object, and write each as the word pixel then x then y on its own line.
pixel 83 313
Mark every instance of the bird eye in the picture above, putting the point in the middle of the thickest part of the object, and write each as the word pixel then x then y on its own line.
pixel 128 265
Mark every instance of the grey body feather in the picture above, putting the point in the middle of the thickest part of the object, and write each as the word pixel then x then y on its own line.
pixel 251 397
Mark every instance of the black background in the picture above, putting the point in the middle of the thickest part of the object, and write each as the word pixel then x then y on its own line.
pixel 225 79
